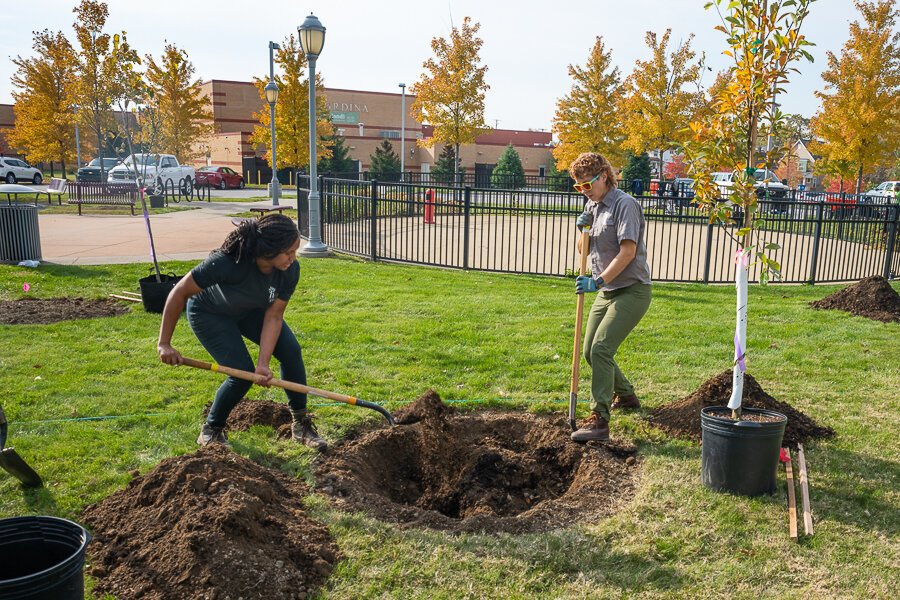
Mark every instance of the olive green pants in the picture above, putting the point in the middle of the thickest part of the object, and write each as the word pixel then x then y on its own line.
pixel 612 317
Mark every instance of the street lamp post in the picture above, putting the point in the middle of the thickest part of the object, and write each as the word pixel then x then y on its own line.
pixel 272 98
pixel 402 130
pixel 312 38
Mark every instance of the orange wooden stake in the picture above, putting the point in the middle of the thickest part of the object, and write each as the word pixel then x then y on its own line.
pixel 804 492
pixel 792 498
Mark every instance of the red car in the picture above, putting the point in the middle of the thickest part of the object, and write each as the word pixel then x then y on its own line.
pixel 220 177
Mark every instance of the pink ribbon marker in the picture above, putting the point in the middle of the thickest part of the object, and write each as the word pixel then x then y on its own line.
pixel 741 257
pixel 739 353
pixel 25 286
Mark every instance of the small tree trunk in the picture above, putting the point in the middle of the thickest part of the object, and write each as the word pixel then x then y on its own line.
pixel 859 178
pixel 456 181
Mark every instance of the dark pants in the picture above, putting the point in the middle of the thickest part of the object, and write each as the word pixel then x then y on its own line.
pixel 222 336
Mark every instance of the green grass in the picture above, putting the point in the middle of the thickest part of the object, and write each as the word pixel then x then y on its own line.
pixel 387 333
pixel 107 209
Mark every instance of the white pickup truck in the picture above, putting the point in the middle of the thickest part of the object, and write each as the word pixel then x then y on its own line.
pixel 157 171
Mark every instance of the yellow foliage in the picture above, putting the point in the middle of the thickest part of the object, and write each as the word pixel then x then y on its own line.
pixel 450 93
pixel 44 127
pixel 587 118
pixel 655 107
pixel 860 116
pixel 292 111
pixel 184 112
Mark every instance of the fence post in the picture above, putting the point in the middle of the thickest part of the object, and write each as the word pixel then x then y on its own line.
pixel 817 236
pixel 373 223
pixel 891 240
pixel 708 258
pixel 467 206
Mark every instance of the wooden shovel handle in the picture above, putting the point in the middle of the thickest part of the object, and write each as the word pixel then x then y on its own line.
pixel 579 312
pixel 248 376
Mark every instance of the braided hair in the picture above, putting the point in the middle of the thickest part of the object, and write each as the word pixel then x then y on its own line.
pixel 266 237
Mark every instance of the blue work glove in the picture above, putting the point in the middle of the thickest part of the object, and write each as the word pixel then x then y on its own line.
pixel 584 220
pixel 586 285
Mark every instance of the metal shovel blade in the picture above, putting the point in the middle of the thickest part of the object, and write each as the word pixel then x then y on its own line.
pixel 13 464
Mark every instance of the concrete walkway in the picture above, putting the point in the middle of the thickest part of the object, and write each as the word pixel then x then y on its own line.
pixel 103 239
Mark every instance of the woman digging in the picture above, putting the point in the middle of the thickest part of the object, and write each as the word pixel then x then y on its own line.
pixel 620 273
pixel 241 291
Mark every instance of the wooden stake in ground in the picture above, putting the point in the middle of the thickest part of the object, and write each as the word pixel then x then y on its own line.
pixel 792 499
pixel 126 298
pixel 804 492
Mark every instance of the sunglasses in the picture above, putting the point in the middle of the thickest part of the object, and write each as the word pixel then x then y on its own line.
pixel 587 185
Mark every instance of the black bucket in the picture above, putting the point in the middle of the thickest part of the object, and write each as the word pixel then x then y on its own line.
pixel 42 558
pixel 154 293
pixel 740 456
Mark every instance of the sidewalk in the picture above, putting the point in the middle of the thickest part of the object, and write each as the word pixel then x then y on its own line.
pixel 101 239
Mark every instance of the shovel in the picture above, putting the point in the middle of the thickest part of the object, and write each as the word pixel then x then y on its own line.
pixel 12 463
pixel 288 385
pixel 579 317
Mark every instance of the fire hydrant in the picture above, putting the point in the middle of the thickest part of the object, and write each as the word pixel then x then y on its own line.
pixel 429 207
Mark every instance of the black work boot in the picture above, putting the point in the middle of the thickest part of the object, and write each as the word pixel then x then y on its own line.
pixel 212 435
pixel 303 431
pixel 593 429
pixel 625 402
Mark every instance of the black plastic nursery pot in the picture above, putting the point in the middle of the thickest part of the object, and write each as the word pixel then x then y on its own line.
pixel 154 293
pixel 157 201
pixel 42 558
pixel 740 457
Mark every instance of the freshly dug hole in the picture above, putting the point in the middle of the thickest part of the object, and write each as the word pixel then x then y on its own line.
pixel 492 472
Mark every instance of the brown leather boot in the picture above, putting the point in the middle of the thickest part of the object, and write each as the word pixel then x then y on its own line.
pixel 593 429
pixel 624 402
pixel 212 435
pixel 303 431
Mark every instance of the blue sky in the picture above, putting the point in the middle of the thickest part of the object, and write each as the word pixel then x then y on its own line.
pixel 374 46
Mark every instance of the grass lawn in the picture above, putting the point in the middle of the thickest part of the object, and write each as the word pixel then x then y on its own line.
pixel 387 333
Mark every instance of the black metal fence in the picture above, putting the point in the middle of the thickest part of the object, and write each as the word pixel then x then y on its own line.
pixel 820 238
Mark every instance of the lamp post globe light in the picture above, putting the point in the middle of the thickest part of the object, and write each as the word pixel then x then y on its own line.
pixel 312 38
pixel 271 90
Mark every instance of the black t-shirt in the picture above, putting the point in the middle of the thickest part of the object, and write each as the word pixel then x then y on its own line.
pixel 236 288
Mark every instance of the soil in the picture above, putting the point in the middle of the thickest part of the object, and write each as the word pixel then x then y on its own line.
pixel 491 472
pixel 249 412
pixel 682 418
pixel 873 297
pixel 211 525
pixel 29 311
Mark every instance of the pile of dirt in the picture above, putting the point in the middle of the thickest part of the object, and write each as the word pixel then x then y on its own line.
pixel 209 525
pixel 682 418
pixel 40 311
pixel 493 472
pixel 249 412
pixel 873 297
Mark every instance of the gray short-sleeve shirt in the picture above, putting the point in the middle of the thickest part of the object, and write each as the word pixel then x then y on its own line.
pixel 618 217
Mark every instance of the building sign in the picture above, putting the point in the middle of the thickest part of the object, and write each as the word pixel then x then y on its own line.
pixel 344 117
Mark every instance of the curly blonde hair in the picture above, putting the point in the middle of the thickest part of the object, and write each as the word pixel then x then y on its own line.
pixel 590 164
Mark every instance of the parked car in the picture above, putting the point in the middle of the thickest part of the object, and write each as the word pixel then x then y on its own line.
pixel 220 177
pixel 884 193
pixel 14 170
pixel 91 171
pixel 153 171
pixel 765 180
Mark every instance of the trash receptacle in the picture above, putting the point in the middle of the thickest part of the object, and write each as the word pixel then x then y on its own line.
pixel 20 238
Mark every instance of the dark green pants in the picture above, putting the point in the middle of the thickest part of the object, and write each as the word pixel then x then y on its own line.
pixel 612 317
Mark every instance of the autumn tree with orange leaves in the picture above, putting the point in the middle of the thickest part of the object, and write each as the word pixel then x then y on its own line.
pixel 44 126
pixel 860 116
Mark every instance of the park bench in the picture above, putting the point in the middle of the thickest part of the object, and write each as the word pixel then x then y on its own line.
pixel 264 210
pixel 108 194
pixel 56 188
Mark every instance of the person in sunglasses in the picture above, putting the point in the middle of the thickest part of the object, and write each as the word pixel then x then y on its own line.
pixel 621 275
